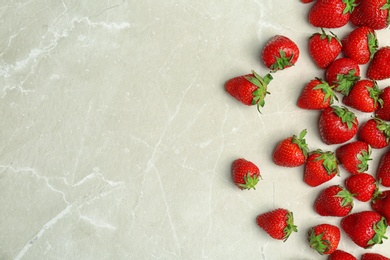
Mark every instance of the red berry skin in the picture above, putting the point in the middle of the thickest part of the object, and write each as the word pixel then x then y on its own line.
pixel 291 152
pixel 342 73
pixel 370 13
pixel 334 201
pixel 354 156
pixel 306 1
pixel 280 52
pixel 373 256
pixel 379 67
pixel 383 171
pixel 324 238
pixel 329 14
pixel 245 174
pixel 316 95
pixel 341 255
pixel 324 48
pixel 360 44
pixel 332 128
pixel 362 185
pixel 320 167
pixel 278 223
pixel 381 204
pixel 383 111
pixel 365 228
pixel 375 132
pixel 363 96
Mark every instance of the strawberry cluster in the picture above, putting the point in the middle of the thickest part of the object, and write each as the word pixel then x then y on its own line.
pixel 343 82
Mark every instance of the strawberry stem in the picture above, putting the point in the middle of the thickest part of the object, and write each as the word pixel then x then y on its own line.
pixel 290 226
pixel 301 142
pixel 250 181
pixel 261 83
pixel 346 116
pixel 380 232
pixel 316 242
pixel 282 62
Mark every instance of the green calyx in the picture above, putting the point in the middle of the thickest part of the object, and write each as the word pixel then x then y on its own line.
pixel 250 181
pixel 301 142
pixel 345 82
pixel 364 157
pixel 261 83
pixel 375 93
pixel 290 226
pixel 386 6
pixel 346 116
pixel 383 127
pixel 327 90
pixel 323 35
pixel 282 62
pixel 380 233
pixel 329 161
pixel 347 198
pixel 372 44
pixel 349 6
pixel 317 243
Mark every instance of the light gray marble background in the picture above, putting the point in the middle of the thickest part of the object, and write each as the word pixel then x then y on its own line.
pixel 117 136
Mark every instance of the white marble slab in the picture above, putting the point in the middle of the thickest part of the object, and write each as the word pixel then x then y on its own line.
pixel 117 135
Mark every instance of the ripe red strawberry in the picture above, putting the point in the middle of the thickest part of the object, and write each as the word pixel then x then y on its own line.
pixel 373 256
pixel 279 223
pixel 279 53
pixel 383 171
pixel 379 67
pixel 365 228
pixel 316 95
pixel 364 96
pixel 337 125
pixel 363 186
pixel 375 132
pixel 334 201
pixel 306 1
pixel 249 89
pixel 331 13
pixel 354 156
pixel 292 151
pixel 383 111
pixel 371 13
pixel 360 44
pixel 324 48
pixel 341 255
pixel 320 167
pixel 324 238
pixel 342 73
pixel 245 174
pixel 381 204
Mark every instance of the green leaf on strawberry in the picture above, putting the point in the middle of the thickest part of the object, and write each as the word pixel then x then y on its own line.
pixel 301 142
pixel 346 116
pixel 380 232
pixel 384 127
pixel 329 161
pixel 261 83
pixel 345 82
pixel 282 62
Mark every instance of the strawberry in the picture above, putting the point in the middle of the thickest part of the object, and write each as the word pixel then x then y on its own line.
pixel 337 125
pixel 291 151
pixel 375 132
pixel 320 167
pixel 365 228
pixel 383 171
pixel 331 13
pixel 383 111
pixel 316 95
pixel 360 44
pixel 324 48
pixel 354 156
pixel 371 13
pixel 364 96
pixel 279 53
pixel 279 223
pixel 342 73
pixel 363 186
pixel 373 256
pixel 341 255
pixel 306 1
pixel 245 174
pixel 379 67
pixel 381 204
pixel 334 201
pixel 324 238
pixel 249 89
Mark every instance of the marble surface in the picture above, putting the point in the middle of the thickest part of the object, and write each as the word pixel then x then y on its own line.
pixel 117 136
